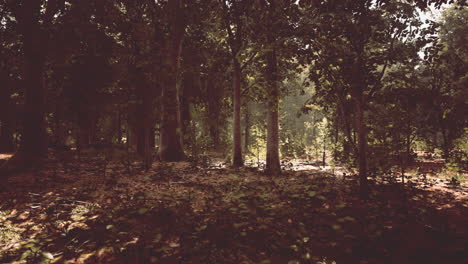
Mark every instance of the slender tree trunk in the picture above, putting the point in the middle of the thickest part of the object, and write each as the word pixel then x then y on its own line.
pixel 272 160
pixel 362 141
pixel 185 115
pixel 235 42
pixel 60 130
pixel 119 125
pixel 237 160
pixel 347 129
pixel 128 134
pixel 324 157
pixel 247 129
pixel 357 93
pixel 87 127
pixel 170 147
pixel 446 144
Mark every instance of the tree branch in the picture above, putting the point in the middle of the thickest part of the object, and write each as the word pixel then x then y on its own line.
pixel 252 57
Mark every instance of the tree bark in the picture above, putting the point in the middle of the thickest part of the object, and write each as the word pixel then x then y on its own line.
pixel 272 159
pixel 84 129
pixel 33 145
pixel 247 129
pixel 237 160
pixel 235 42
pixel 362 139
pixel 7 143
pixel 145 117
pixel 60 129
pixel 119 125
pixel 185 116
pixel 170 131
pixel 34 138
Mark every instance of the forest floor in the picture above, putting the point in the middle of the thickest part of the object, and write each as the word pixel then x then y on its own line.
pixel 93 210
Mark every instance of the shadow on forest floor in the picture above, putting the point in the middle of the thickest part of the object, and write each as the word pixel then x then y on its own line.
pixel 85 212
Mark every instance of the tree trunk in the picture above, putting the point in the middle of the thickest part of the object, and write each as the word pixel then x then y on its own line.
pixel 272 159
pixel 33 145
pixel 185 116
pixel 33 139
pixel 170 147
pixel 357 94
pixel 145 124
pixel 446 144
pixel 86 127
pixel 237 160
pixel 247 129
pixel 349 143
pixel 7 143
pixel 119 125
pixel 408 145
pixel 362 140
pixel 324 155
pixel 60 129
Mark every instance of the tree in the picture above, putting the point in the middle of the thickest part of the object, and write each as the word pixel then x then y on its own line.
pixel 271 18
pixel 443 73
pixel 233 17
pixel 33 25
pixel 170 145
pixel 276 50
pixel 9 82
pixel 354 44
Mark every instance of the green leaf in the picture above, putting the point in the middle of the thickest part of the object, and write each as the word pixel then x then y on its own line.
pixel 29 245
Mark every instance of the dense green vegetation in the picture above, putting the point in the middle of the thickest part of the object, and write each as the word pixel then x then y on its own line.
pixel 266 131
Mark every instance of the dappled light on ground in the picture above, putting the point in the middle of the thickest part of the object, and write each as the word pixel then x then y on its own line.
pixel 181 213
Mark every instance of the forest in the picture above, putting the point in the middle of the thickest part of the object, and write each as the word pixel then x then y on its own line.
pixel 234 131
